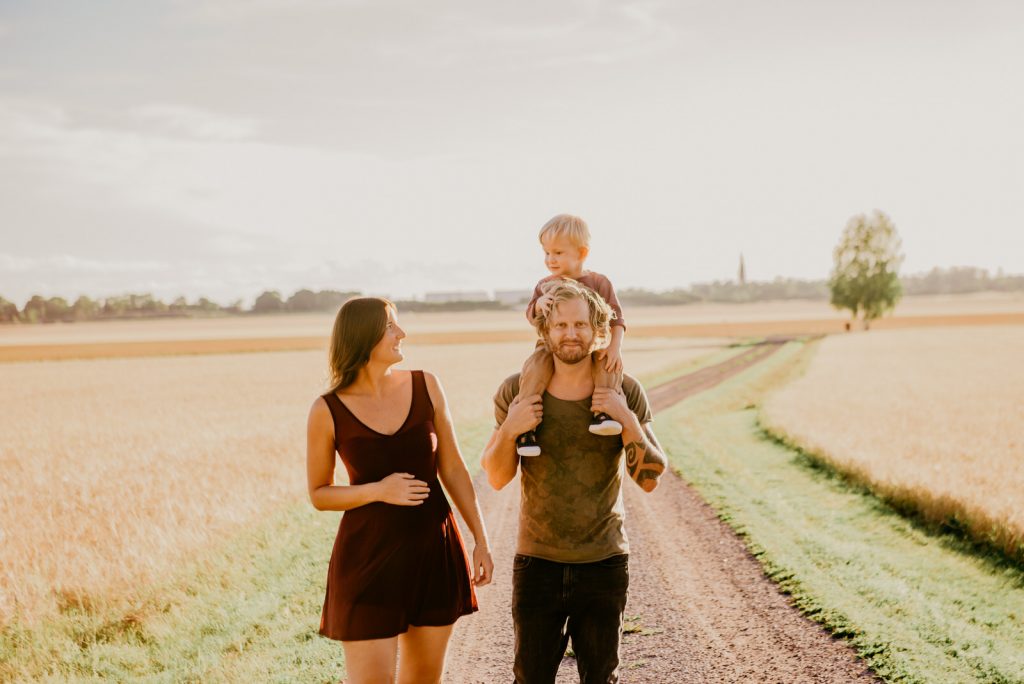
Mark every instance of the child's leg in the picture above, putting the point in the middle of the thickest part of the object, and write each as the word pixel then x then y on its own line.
pixel 603 424
pixel 536 375
pixel 603 378
pixel 537 372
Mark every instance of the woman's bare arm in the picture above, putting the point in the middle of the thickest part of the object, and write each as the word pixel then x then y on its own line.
pixel 451 468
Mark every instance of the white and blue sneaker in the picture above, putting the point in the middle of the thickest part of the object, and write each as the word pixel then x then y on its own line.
pixel 604 425
pixel 526 444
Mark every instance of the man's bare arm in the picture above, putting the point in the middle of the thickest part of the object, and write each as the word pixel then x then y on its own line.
pixel 500 460
pixel 645 460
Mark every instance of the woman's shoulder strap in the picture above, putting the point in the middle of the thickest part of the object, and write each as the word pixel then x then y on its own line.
pixel 420 392
pixel 334 405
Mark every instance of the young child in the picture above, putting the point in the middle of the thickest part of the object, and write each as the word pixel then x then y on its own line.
pixel 566 242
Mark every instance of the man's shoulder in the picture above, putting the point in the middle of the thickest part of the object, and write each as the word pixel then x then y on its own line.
pixel 636 397
pixel 630 382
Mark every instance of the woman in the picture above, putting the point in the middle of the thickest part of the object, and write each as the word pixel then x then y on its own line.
pixel 398 577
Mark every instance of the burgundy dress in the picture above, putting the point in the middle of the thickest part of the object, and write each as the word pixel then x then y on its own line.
pixel 394 566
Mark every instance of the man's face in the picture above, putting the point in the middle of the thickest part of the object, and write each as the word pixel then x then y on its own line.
pixel 570 336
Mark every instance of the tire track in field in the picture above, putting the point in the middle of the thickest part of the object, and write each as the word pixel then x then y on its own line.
pixel 700 608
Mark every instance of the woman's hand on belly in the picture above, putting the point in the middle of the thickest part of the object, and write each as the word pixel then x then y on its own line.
pixel 402 489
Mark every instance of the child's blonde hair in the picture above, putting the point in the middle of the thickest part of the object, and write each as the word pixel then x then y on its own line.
pixel 572 227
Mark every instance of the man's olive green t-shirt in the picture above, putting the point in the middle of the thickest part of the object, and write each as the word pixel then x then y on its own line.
pixel 570 510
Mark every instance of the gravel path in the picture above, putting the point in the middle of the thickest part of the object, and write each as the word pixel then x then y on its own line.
pixel 700 608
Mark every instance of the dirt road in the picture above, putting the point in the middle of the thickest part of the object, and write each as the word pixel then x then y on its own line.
pixel 700 609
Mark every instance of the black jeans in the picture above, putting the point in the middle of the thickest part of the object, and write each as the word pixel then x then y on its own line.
pixel 552 602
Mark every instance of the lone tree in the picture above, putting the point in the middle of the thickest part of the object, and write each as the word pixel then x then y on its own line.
pixel 865 277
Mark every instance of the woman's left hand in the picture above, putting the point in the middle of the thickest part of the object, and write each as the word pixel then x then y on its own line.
pixel 483 566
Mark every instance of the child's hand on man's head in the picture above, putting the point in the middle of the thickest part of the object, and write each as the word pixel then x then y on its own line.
pixel 543 305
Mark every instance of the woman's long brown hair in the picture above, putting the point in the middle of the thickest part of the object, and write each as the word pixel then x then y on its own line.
pixel 358 327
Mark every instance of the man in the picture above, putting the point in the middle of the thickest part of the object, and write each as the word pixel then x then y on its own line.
pixel 570 573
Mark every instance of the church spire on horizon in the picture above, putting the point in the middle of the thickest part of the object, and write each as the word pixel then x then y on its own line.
pixel 743 271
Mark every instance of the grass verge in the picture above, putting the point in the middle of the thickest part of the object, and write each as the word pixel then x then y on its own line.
pixel 242 613
pixel 937 513
pixel 918 605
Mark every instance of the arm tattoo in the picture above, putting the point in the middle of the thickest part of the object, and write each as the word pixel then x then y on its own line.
pixel 632 457
pixel 643 462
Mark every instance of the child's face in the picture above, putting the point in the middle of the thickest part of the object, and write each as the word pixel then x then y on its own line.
pixel 562 257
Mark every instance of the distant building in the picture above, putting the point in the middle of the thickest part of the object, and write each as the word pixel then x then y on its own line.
pixel 460 296
pixel 509 297
pixel 743 271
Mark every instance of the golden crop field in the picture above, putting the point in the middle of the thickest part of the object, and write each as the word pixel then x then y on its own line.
pixel 930 419
pixel 114 470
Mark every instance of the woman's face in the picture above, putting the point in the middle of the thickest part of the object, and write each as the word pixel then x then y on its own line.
pixel 389 349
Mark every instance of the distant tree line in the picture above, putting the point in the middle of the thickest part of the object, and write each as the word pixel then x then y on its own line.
pixel 957 280
pixel 467 305
pixel 729 291
pixel 331 300
pixel 961 280
pixel 302 301
pixel 39 309
pixel 57 309
pixel 42 310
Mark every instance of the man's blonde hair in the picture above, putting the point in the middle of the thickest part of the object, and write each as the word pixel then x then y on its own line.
pixel 566 289
pixel 572 227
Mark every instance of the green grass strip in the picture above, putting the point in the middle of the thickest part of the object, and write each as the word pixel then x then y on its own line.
pixel 917 605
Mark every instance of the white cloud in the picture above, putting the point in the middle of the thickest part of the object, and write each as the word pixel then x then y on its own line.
pixel 489 38
pixel 219 11
pixel 180 120
pixel 67 264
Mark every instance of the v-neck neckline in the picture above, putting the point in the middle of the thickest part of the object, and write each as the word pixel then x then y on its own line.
pixel 408 415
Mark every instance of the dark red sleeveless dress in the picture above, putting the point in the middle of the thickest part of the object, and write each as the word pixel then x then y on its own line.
pixel 394 566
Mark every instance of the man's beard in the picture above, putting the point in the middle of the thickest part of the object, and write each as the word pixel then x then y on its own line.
pixel 569 354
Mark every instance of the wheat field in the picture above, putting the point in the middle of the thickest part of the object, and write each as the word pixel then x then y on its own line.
pixel 932 420
pixel 114 470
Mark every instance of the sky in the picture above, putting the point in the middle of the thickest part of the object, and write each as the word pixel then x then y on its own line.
pixel 228 147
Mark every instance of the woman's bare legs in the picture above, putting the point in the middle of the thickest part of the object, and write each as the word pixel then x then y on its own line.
pixel 372 661
pixel 421 652
pixel 417 656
